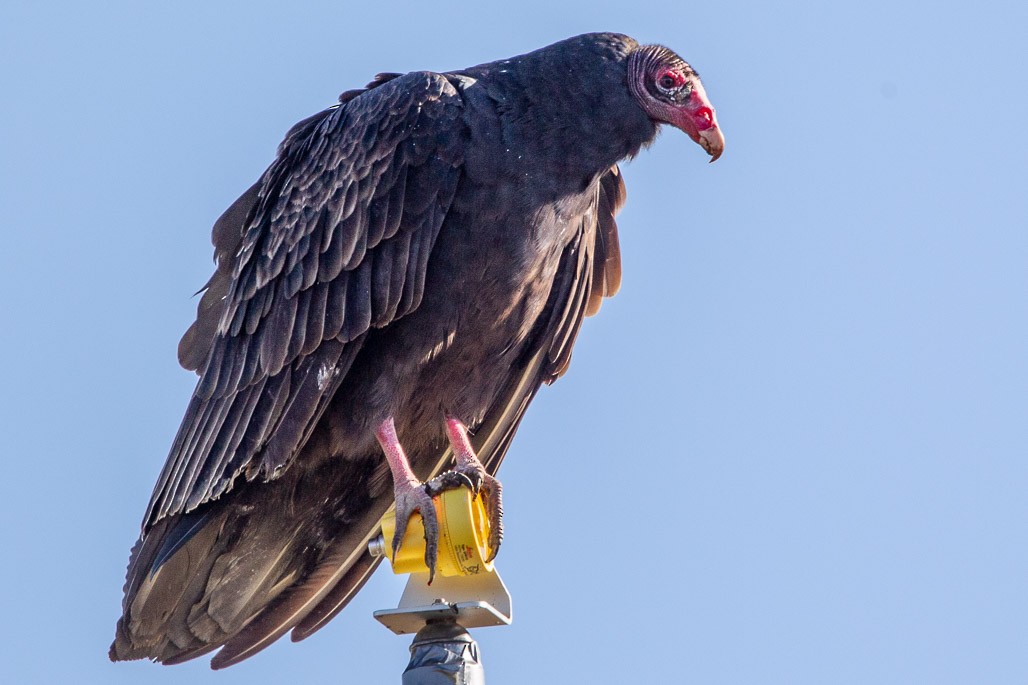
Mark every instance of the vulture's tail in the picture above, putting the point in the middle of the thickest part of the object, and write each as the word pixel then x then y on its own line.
pixel 237 575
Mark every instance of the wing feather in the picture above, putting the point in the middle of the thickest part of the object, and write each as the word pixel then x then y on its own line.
pixel 574 291
pixel 607 263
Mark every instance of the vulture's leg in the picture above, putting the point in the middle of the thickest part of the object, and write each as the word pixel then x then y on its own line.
pixel 410 495
pixel 469 471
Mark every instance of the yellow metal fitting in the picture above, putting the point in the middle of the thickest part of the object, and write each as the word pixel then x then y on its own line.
pixel 463 537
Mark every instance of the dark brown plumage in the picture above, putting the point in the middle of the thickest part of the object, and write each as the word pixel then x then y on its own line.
pixel 427 247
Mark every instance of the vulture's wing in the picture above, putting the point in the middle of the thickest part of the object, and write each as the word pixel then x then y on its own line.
pixel 590 270
pixel 332 241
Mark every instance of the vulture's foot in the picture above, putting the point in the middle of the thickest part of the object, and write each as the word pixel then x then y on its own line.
pixel 413 496
pixel 480 483
pixel 470 472
pixel 410 495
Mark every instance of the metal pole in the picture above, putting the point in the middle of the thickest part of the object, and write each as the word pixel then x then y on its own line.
pixel 444 653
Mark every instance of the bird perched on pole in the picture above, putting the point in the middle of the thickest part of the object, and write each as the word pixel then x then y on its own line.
pixel 389 296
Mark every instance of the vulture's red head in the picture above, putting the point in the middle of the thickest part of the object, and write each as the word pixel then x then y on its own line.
pixel 670 91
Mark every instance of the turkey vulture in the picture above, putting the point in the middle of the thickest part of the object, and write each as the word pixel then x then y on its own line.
pixel 388 297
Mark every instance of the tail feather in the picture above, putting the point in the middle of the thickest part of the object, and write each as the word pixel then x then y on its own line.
pixel 238 573
pixel 337 599
pixel 158 595
pixel 346 551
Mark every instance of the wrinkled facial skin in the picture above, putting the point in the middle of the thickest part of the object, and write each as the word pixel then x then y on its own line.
pixel 670 91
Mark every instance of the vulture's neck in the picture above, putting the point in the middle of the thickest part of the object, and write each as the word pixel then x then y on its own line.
pixel 572 125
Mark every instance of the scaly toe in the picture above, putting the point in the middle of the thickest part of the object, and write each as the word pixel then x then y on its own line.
pixel 418 498
pixel 492 495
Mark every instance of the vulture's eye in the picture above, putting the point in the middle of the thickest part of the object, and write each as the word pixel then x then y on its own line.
pixel 670 80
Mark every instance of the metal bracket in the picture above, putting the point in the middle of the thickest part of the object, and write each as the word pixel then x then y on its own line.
pixel 476 601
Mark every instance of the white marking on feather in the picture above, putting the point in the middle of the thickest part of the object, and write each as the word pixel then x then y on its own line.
pixel 324 374
pixel 438 349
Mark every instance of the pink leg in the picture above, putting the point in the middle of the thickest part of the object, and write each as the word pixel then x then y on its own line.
pixel 394 454
pixel 410 495
pixel 463 452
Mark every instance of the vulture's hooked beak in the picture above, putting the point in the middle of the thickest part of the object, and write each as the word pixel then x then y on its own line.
pixel 697 119
pixel 713 141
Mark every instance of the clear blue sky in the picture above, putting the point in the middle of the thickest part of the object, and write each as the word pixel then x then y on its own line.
pixel 794 449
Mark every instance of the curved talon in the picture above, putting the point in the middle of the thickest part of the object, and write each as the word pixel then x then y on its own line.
pixel 450 480
pixel 476 478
